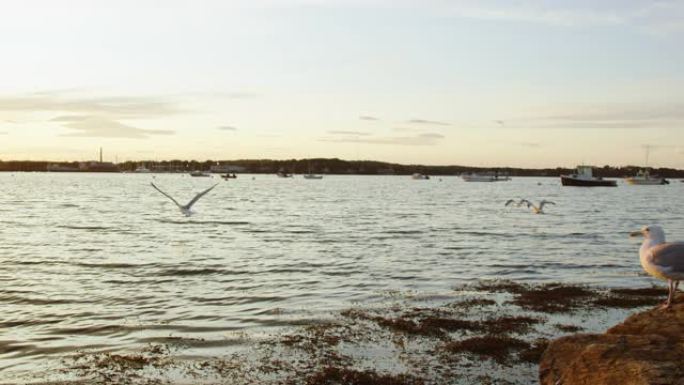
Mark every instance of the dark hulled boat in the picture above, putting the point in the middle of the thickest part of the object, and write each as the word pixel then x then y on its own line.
pixel 584 178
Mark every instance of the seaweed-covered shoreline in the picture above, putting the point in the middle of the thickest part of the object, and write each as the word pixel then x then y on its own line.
pixel 489 332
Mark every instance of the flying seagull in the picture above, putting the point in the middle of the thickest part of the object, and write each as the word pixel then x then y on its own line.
pixel 185 209
pixel 537 209
pixel 663 260
pixel 512 201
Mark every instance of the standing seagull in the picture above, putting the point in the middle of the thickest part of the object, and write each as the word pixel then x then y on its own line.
pixel 663 260
pixel 185 209
pixel 537 209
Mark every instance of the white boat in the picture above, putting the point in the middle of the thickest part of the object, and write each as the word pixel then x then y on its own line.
pixel 313 176
pixel 486 177
pixel 419 176
pixel 142 170
pixel 643 177
pixel 198 173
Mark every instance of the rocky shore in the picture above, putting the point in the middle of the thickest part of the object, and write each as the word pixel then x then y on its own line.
pixel 646 349
pixel 483 333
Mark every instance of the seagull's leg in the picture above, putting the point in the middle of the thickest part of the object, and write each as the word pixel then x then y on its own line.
pixel 670 285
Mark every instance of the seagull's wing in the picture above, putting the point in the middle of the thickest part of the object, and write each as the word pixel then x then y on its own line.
pixel 529 204
pixel 198 196
pixel 508 202
pixel 542 203
pixel 669 256
pixel 166 195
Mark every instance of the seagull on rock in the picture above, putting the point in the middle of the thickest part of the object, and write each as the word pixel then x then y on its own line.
pixel 663 260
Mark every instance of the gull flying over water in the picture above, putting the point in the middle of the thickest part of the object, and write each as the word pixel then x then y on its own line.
pixel 512 201
pixel 537 209
pixel 185 209
pixel 663 260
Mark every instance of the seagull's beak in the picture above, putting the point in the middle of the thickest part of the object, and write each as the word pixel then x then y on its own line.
pixel 636 233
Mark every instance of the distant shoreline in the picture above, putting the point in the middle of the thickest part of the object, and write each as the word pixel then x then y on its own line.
pixel 332 166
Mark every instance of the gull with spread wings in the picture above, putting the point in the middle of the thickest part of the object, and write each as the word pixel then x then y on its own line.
pixel 185 209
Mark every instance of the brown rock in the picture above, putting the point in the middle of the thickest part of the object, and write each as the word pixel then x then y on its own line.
pixel 646 349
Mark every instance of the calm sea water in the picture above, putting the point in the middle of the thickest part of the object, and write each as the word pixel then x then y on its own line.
pixel 104 262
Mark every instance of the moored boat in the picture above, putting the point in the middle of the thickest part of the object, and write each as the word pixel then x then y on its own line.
pixel 313 176
pixel 486 177
pixel 419 176
pixel 644 177
pixel 198 173
pixel 584 178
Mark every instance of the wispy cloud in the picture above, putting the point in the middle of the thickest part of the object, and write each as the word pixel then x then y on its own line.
pixel 518 143
pixel 100 127
pixel 655 17
pixel 425 139
pixel 612 116
pixel 428 122
pixel 368 117
pixel 120 107
pixel 226 128
pixel 352 133
pixel 93 116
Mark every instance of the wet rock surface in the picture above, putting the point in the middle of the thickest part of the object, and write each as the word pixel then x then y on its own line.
pixel 486 332
pixel 646 349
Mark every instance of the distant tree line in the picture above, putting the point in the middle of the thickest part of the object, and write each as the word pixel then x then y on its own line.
pixel 338 166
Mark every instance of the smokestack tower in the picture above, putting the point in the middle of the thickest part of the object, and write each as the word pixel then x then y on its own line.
pixel 100 154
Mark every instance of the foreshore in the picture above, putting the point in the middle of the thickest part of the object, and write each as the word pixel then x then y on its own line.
pixel 492 332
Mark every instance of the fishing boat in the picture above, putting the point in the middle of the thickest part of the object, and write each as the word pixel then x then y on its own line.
pixel 584 177
pixel 485 177
pixel 200 174
pixel 419 176
pixel 142 170
pixel 643 177
pixel 283 174
pixel 229 176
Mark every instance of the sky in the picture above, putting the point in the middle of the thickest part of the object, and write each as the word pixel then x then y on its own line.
pixel 478 83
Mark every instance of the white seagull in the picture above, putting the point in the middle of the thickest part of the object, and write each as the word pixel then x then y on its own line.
pixel 663 260
pixel 185 209
pixel 537 209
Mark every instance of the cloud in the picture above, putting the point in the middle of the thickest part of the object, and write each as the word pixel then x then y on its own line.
pixel 100 127
pixel 93 116
pixel 367 117
pixel 428 122
pixel 425 139
pixel 609 116
pixel 4 133
pixel 226 128
pixel 120 107
pixel 353 133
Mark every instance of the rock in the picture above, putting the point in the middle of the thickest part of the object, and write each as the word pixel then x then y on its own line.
pixel 646 349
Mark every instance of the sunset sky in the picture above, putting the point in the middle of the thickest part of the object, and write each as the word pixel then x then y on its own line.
pixel 482 83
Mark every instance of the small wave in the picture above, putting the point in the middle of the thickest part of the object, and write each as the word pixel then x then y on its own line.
pixel 227 223
pixel 89 228
pixel 191 272
pixel 404 232
pixel 15 299
pixel 110 265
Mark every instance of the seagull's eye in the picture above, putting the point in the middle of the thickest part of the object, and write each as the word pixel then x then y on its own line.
pixel 647 229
